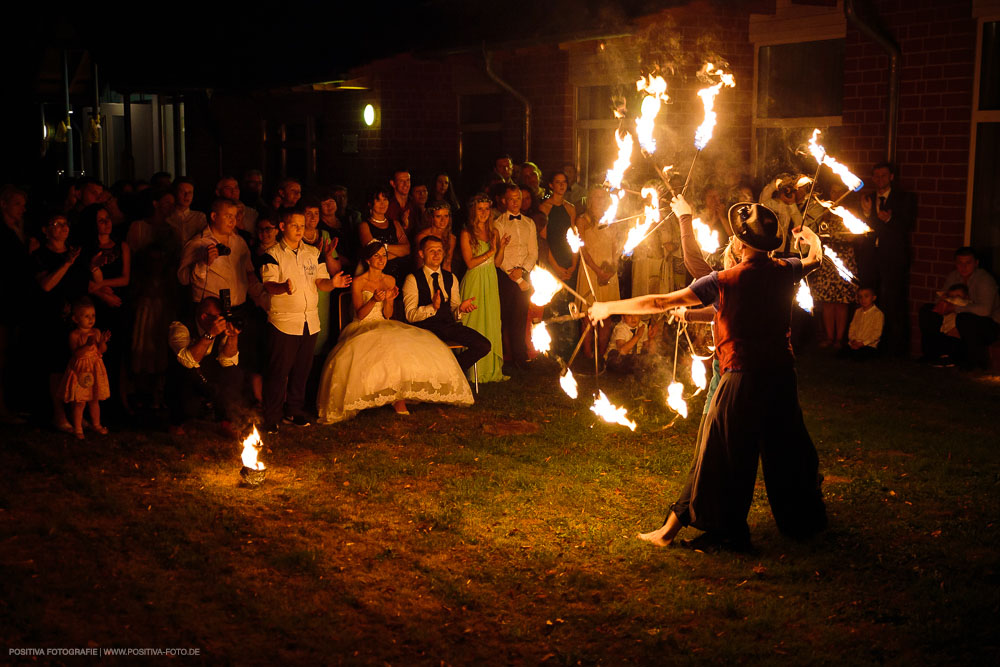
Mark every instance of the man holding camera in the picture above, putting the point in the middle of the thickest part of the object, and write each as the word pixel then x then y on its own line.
pixel 218 258
pixel 780 196
pixel 206 352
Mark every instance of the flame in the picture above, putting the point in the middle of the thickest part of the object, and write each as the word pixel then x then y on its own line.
pixel 656 87
pixel 545 285
pixel 707 237
pixel 650 217
pixel 839 264
pixel 704 133
pixel 612 211
pixel 603 408
pixel 854 224
pixel 622 162
pixel 804 297
pixel 616 173
pixel 540 338
pixel 850 180
pixel 675 399
pixel 815 148
pixel 568 384
pixel 698 373
pixel 251 446
pixel 574 240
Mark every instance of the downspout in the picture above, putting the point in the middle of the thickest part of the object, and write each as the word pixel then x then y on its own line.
pixel 877 35
pixel 521 98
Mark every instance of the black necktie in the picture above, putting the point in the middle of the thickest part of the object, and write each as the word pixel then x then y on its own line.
pixel 437 286
pixel 515 217
pixel 881 203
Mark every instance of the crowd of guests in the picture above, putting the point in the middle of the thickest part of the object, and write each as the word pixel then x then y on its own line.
pixel 291 299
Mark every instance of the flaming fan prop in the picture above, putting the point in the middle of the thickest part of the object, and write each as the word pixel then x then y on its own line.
pixel 719 78
pixel 568 384
pixel 656 93
pixel 615 175
pixel 707 238
pixel 611 413
pixel 253 471
pixel 845 273
pixel 815 149
pixel 650 218
pixel 804 297
pixel 854 224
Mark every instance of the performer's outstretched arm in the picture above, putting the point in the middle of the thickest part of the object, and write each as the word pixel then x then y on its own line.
pixel 643 305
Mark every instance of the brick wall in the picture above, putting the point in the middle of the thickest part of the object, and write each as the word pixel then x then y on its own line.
pixel 937 41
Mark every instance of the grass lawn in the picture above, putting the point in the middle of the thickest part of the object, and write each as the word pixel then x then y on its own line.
pixel 505 533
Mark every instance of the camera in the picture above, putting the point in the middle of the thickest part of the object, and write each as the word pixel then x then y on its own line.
pixel 223 249
pixel 227 308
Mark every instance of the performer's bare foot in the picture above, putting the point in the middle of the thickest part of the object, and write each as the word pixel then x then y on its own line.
pixel 665 534
pixel 400 408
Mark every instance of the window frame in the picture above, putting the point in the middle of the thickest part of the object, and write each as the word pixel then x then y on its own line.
pixel 983 15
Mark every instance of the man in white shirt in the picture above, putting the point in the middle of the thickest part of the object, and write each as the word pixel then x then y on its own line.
pixel 519 259
pixel 977 321
pixel 433 301
pixel 292 273
pixel 206 351
pixel 218 258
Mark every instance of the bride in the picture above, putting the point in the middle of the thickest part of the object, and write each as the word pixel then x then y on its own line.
pixel 379 360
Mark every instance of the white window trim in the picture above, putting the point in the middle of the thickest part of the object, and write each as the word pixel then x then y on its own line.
pixel 985 12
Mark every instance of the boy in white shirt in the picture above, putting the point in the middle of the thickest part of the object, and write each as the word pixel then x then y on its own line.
pixel 866 328
pixel 292 274
pixel 630 339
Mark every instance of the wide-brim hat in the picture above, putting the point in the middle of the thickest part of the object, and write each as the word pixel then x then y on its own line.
pixel 756 225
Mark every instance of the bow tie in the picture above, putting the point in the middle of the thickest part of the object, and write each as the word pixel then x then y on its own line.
pixel 513 217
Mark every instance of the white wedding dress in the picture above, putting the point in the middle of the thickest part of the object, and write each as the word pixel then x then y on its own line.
pixel 379 361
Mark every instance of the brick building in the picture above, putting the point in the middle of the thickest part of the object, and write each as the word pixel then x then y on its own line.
pixel 798 64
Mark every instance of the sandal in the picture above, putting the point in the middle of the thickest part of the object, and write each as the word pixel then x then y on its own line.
pixel 100 429
pixel 65 427
pixel 78 434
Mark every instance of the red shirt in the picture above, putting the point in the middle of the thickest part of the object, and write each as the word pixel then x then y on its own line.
pixel 753 323
pixel 395 212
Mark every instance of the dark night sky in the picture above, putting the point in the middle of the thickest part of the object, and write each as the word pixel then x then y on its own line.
pixel 207 44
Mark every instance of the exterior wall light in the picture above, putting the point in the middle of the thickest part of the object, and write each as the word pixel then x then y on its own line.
pixel 369 115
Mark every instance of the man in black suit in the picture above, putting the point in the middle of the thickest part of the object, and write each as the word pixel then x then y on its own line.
pixel 892 214
pixel 433 302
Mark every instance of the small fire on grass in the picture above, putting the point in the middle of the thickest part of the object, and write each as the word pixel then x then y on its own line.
pixel 253 471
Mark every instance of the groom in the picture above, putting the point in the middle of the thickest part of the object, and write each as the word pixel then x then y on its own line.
pixel 433 302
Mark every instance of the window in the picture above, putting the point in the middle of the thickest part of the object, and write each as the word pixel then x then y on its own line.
pixel 596 148
pixel 983 202
pixel 799 80
pixel 480 138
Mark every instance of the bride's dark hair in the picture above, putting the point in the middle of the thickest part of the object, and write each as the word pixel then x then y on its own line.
pixel 371 249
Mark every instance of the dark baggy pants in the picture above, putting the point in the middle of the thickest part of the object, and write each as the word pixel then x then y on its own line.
pixel 977 334
pixel 513 317
pixel 754 414
pixel 289 361
pixel 476 344
pixel 933 343
pixel 189 389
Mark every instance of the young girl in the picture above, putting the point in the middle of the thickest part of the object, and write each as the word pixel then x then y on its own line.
pixel 86 380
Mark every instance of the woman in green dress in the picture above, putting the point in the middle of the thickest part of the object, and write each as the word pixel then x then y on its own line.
pixel 483 250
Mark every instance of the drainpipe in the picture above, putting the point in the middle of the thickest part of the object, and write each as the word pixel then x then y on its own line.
pixel 883 39
pixel 521 98
pixel 68 110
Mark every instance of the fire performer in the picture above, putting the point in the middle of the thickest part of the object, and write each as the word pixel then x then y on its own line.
pixel 755 411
